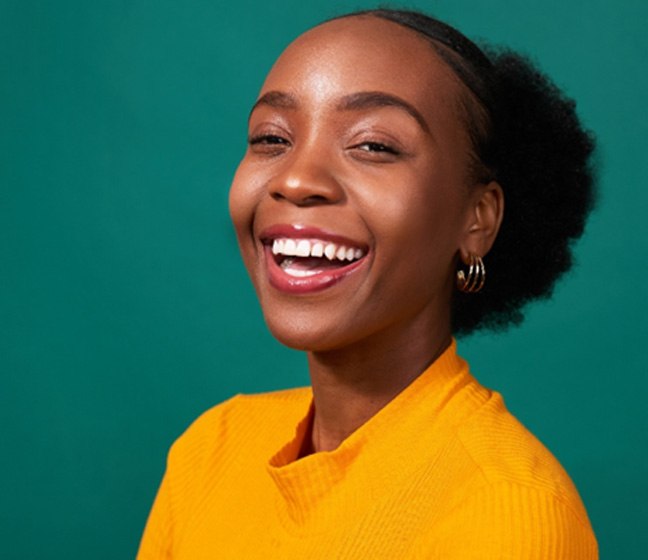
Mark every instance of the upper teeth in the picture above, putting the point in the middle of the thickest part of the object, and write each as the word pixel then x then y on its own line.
pixel 315 248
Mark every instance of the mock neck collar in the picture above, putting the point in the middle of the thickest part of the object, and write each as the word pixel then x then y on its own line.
pixel 385 442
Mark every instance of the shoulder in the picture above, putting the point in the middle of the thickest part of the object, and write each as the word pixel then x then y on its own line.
pixel 520 497
pixel 249 422
pixel 241 409
pixel 226 438
pixel 507 452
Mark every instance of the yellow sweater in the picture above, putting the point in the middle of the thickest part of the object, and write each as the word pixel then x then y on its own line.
pixel 443 471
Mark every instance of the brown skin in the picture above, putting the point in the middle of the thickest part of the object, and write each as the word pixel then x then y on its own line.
pixel 317 163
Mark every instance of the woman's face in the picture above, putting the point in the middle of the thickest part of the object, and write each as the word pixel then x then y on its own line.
pixel 353 198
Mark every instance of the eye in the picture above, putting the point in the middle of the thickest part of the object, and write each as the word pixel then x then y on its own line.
pixel 267 139
pixel 377 147
pixel 268 144
pixel 372 151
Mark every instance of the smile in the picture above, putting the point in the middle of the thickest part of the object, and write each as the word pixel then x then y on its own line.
pixel 306 257
pixel 301 260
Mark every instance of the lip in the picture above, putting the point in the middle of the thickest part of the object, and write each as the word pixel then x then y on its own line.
pixel 318 281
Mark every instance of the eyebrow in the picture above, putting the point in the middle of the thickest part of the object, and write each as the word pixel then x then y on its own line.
pixel 372 99
pixel 354 102
pixel 276 99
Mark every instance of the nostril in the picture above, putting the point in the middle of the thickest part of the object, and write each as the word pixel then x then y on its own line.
pixel 315 199
pixel 310 200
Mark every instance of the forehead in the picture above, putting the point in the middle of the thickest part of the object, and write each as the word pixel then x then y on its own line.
pixel 364 53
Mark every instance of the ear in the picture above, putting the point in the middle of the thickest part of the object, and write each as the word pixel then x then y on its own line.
pixel 484 219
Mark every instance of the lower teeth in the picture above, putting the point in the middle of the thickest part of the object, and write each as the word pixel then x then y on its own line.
pixel 304 267
pixel 299 273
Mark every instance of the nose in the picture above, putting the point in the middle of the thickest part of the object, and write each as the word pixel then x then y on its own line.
pixel 307 178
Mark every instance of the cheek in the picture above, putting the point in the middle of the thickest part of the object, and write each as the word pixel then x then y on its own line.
pixel 418 212
pixel 242 201
pixel 419 225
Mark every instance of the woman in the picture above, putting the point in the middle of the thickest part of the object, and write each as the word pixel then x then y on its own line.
pixel 382 147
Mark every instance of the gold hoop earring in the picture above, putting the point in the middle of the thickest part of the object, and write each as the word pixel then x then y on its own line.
pixel 476 277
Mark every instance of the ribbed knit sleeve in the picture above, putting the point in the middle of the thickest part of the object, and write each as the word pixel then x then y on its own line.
pixel 513 521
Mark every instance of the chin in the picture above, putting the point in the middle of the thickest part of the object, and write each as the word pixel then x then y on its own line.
pixel 308 330
pixel 298 335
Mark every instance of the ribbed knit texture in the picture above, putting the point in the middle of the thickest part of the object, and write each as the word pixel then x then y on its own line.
pixel 443 471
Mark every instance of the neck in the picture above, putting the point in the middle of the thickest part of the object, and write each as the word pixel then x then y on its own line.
pixel 351 385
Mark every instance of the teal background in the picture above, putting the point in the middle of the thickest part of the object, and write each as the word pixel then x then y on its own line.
pixel 124 308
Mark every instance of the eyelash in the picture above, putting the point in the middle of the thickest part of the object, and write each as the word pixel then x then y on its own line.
pixel 268 145
pixel 377 147
pixel 268 139
pixel 274 144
